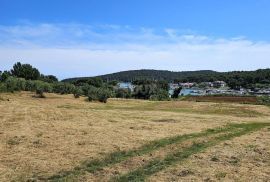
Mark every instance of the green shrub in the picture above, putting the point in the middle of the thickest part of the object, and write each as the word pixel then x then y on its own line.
pixel 15 84
pixel 63 88
pixel 98 94
pixel 4 75
pixel 40 93
pixel 103 95
pixel 123 93
pixel 92 92
pixel 30 85
pixel 3 87
pixel 161 95
pixel 42 87
pixel 77 92
pixel 265 100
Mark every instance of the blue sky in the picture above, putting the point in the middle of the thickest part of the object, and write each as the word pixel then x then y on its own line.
pixel 91 37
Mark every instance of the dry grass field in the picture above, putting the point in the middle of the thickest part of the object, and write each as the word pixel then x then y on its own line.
pixel 60 138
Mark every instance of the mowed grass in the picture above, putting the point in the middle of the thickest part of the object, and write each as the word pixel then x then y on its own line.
pixel 238 110
pixel 65 139
pixel 116 157
pixel 156 165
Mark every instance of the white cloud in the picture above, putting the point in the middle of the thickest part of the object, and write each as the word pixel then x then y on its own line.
pixel 68 50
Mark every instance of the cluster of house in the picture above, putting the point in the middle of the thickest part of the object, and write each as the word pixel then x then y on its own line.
pixel 256 92
pixel 215 84
pixel 214 88
pixel 210 88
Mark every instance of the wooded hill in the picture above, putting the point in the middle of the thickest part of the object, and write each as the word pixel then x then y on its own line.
pixel 145 74
pixel 234 79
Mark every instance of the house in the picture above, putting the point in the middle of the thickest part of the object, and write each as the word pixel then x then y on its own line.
pixel 126 85
pixel 187 85
pixel 218 84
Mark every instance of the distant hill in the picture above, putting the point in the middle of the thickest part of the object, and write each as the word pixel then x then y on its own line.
pixel 128 76
pixel 234 79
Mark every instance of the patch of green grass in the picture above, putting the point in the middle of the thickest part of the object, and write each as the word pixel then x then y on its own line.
pixel 71 106
pixel 119 156
pixel 156 165
pixel 251 146
pixel 220 175
pixel 14 141
pixel 234 160
pixel 214 159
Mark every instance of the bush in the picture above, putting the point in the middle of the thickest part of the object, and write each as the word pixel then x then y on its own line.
pixel 30 86
pixel 98 94
pixel 4 75
pixel 77 92
pixel 103 95
pixel 161 95
pixel 3 87
pixel 63 88
pixel 48 78
pixel 123 93
pixel 42 87
pixel 92 92
pixel 145 91
pixel 265 100
pixel 40 93
pixel 15 84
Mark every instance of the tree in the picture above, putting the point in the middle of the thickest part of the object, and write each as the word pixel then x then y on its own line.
pixel 48 78
pixel 4 75
pixel 25 71
pixel 77 92
pixel 15 84
pixel 92 92
pixel 63 88
pixel 161 95
pixel 98 94
pixel 176 92
pixel 42 87
pixel 103 95
pixel 123 93
pixel 144 91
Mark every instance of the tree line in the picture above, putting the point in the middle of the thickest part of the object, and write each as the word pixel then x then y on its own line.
pixel 24 77
pixel 151 84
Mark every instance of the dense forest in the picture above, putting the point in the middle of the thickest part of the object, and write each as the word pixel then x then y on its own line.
pixel 235 79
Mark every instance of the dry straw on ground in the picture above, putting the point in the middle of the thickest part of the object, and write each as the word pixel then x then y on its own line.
pixel 41 137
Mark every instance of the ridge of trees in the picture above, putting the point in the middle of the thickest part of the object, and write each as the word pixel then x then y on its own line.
pixel 234 79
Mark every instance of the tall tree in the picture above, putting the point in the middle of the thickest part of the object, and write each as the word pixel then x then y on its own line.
pixel 25 71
